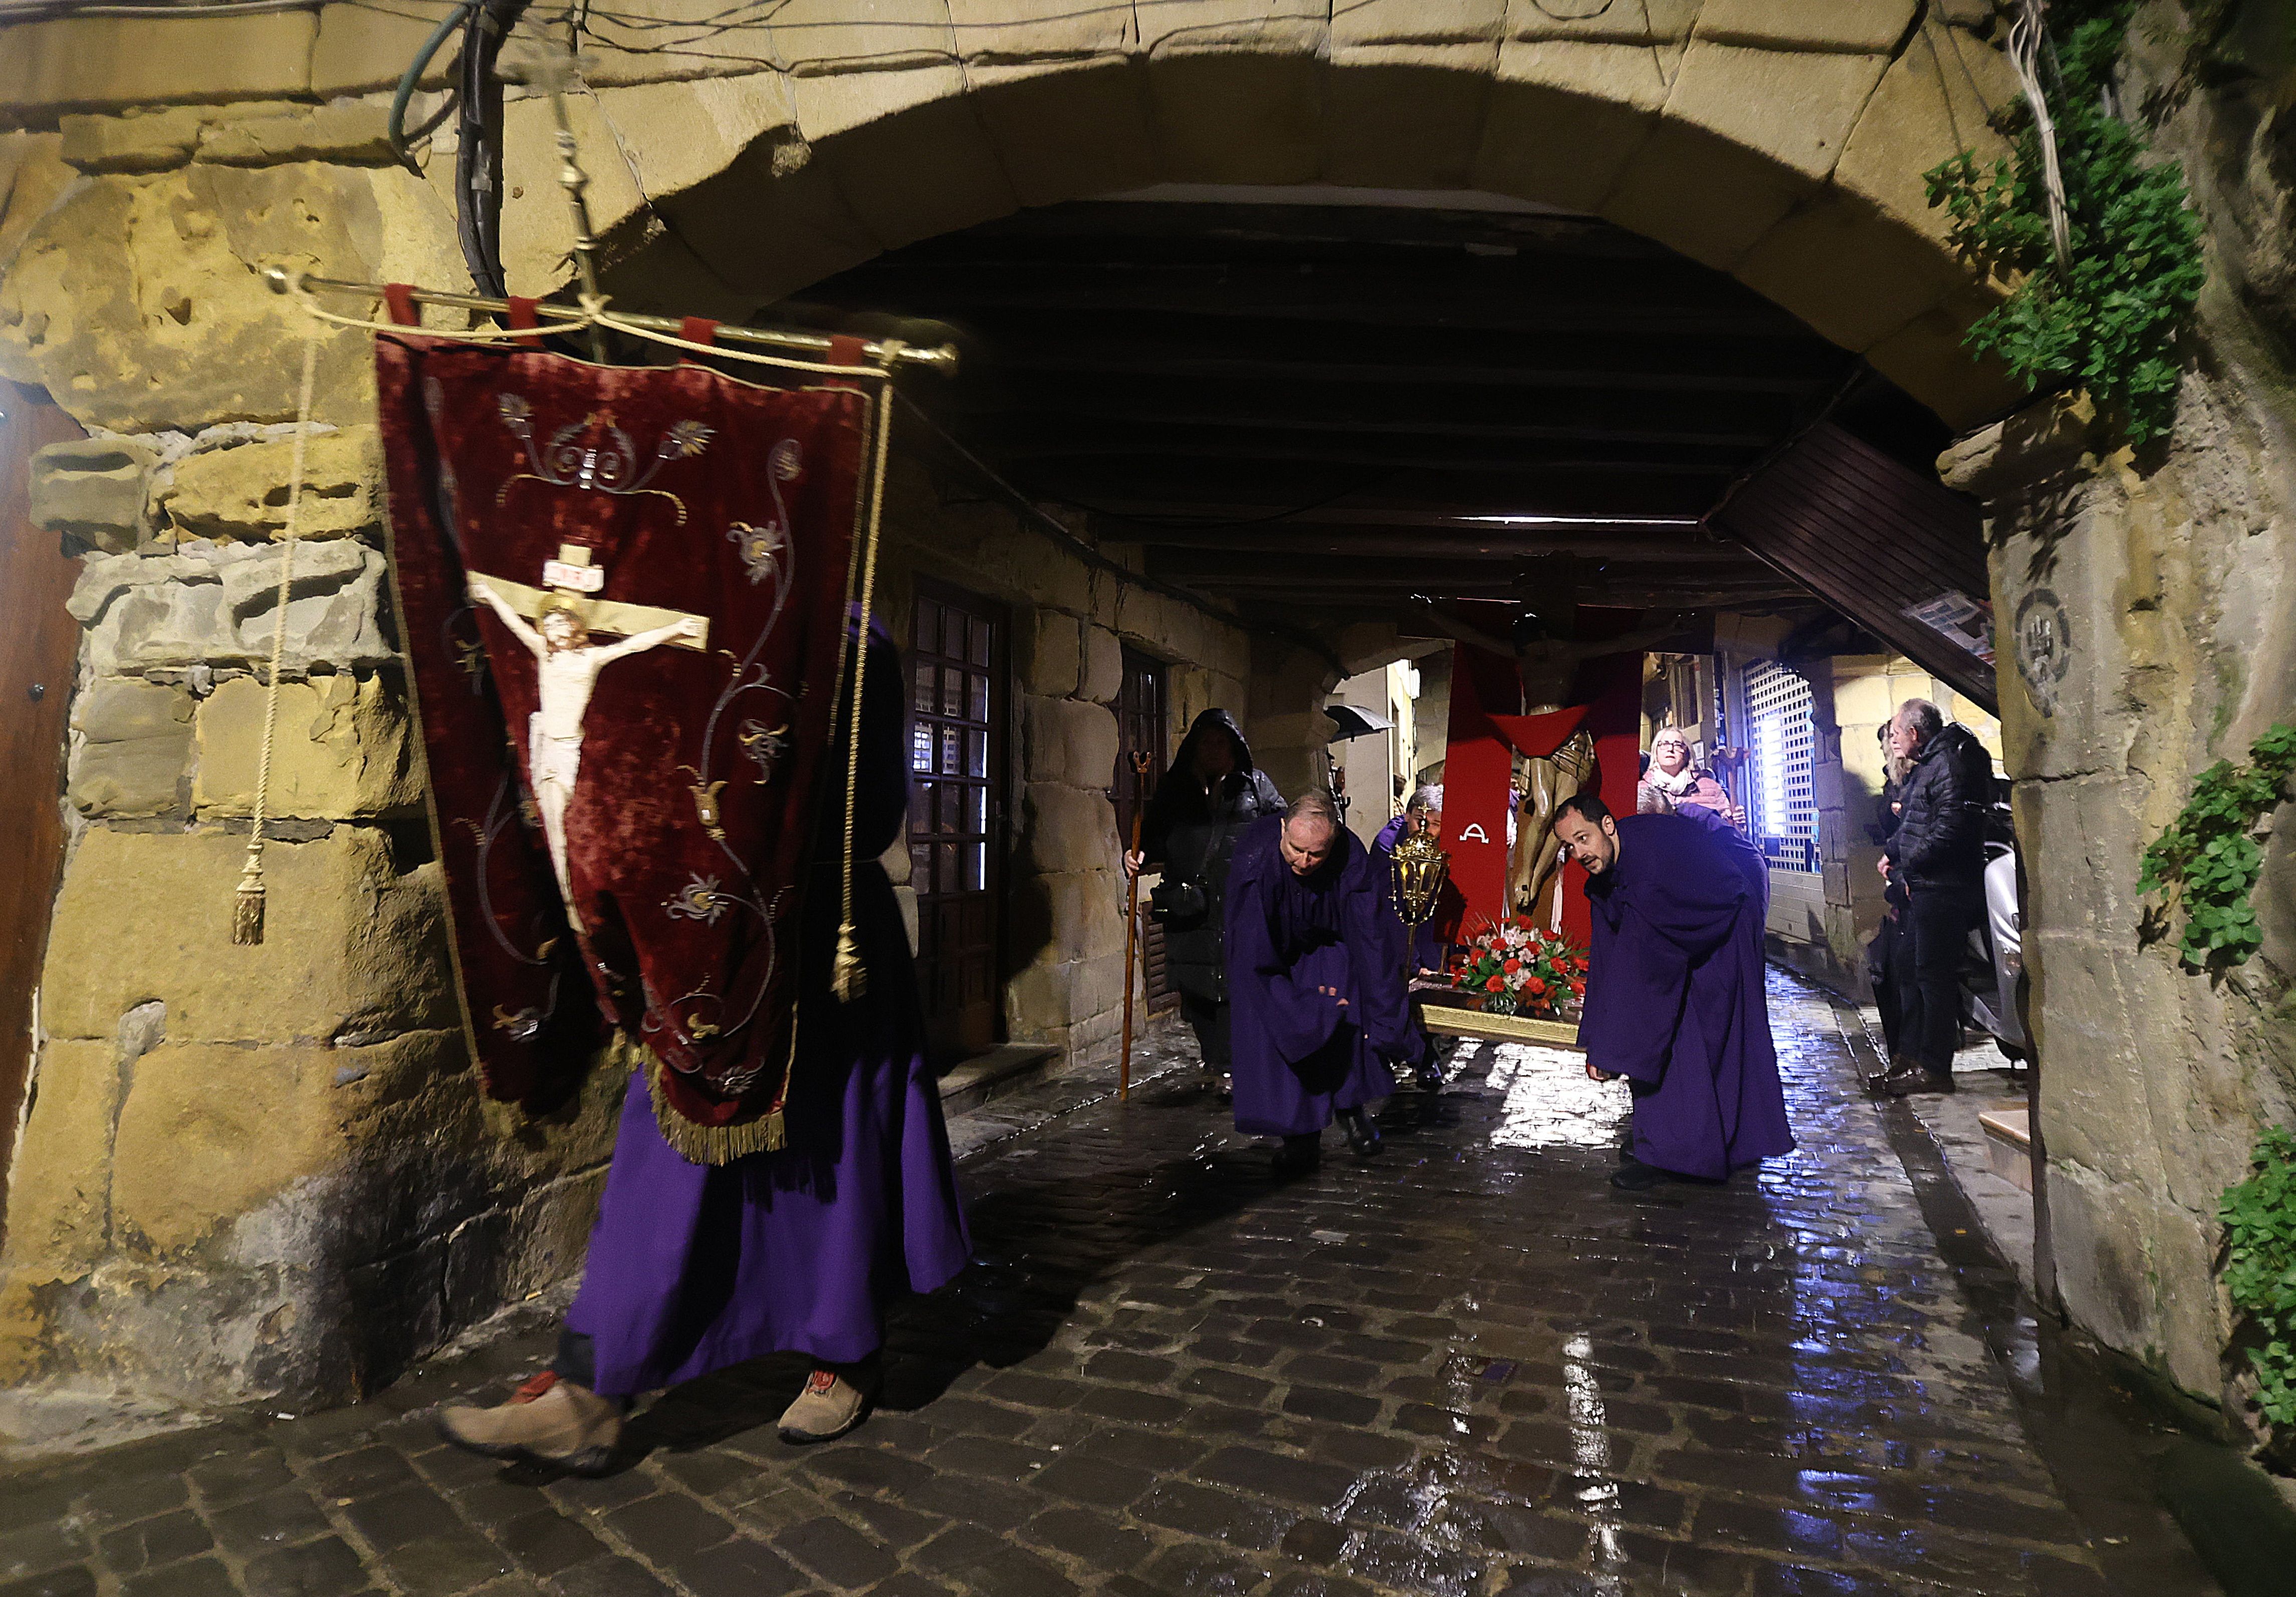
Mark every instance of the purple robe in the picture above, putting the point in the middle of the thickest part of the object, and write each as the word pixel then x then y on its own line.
pixel 1674 999
pixel 1298 1055
pixel 695 1267
pixel 1738 845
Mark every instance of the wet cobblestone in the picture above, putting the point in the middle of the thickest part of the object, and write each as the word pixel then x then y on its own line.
pixel 1469 1368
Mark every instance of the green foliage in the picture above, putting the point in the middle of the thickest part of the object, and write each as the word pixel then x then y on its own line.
pixel 2107 318
pixel 2208 854
pixel 2259 1221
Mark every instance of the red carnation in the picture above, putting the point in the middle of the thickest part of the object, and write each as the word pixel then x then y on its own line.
pixel 1537 986
pixel 1513 965
pixel 1495 983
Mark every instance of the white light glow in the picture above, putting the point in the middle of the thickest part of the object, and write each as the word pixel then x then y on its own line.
pixel 1579 521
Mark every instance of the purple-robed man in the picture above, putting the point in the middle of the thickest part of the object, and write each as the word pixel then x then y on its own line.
pixel 1674 997
pixel 695 1267
pixel 1315 974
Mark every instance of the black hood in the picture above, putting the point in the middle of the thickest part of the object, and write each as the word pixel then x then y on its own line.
pixel 1211 720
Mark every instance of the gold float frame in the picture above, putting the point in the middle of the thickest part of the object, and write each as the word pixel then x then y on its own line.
pixel 1454 1021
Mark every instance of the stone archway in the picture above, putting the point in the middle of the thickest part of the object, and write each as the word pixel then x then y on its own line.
pixel 1783 144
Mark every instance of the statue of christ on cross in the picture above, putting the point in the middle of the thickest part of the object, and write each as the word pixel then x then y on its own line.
pixel 567 664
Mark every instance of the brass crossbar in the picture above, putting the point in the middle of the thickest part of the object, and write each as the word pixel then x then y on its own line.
pixel 936 357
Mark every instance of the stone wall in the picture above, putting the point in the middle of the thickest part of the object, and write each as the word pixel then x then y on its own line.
pixel 1068 621
pixel 260 1171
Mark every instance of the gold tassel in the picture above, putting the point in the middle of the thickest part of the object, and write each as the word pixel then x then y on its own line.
pixel 849 977
pixel 712 1144
pixel 247 910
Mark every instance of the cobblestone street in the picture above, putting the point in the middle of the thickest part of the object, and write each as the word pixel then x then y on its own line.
pixel 1470 1367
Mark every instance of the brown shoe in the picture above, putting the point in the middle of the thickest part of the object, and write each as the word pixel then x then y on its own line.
pixel 546 1421
pixel 829 1406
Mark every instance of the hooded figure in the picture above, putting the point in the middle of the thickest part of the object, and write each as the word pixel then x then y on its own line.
pixel 1207 798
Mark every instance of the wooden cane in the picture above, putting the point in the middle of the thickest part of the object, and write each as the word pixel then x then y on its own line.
pixel 1131 927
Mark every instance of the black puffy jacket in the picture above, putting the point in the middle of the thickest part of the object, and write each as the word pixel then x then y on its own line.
pixel 1191 832
pixel 1941 836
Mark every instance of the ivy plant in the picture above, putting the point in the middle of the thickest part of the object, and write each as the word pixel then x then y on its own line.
pixel 2107 316
pixel 2208 854
pixel 2259 1221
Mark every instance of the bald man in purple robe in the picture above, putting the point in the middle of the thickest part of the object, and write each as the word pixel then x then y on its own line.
pixel 1675 998
pixel 1315 978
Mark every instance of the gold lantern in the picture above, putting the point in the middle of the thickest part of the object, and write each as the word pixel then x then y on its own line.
pixel 1420 868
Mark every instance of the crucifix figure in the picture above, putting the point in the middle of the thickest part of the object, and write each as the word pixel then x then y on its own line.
pixel 1547 654
pixel 567 664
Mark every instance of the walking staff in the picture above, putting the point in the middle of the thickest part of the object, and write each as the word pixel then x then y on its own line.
pixel 1139 762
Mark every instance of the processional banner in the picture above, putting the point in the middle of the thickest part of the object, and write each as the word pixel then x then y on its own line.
pixel 624 593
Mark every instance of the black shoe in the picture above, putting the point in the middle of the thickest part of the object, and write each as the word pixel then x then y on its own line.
pixel 1430 1079
pixel 1299 1155
pixel 1363 1134
pixel 1636 1177
pixel 1626 1152
pixel 1909 1080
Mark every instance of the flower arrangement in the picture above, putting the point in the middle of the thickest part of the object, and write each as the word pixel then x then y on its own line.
pixel 1517 967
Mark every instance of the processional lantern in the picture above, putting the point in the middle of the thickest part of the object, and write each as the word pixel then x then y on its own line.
pixel 1422 868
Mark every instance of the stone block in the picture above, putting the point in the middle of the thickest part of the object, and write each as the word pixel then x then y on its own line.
pixel 537 238
pixel 1086 917
pixel 1928 361
pixel 343 748
pixel 2098 1239
pixel 59 1191
pixel 910 157
pixel 1929 106
pixel 351 132
pixel 1418 22
pixel 1052 653
pixel 139 303
pixel 1101 678
pixel 1746 134
pixel 1229 115
pixel 1407 115
pixel 772 222
pixel 359 50
pixel 1564 118
pixel 134 748
pixel 1652 22
pixel 1071 829
pixel 1857 26
pixel 677 135
pixel 93 490
pixel 1067 129
pixel 1071 741
pixel 240 493
pixel 1037 1002
pixel 32 174
pixel 209 1131
pixel 350 944
pixel 1854 273
pixel 151 139
pixel 1003 32
pixel 85 63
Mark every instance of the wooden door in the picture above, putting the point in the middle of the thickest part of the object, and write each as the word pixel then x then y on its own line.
pixel 957 812
pixel 1141 726
pixel 38 643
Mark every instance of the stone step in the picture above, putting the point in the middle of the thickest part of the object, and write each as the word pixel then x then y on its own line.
pixel 972 1082
pixel 2009 1143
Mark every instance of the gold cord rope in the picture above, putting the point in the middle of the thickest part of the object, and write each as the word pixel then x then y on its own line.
pixel 246 909
pixel 849 976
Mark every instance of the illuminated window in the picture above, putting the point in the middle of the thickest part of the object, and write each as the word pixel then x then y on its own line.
pixel 1781 797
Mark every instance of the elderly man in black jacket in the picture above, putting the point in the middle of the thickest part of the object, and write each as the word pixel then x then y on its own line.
pixel 1938 855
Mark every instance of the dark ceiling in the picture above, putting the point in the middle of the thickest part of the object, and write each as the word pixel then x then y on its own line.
pixel 1330 404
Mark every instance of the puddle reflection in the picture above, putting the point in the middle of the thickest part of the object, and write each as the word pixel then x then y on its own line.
pixel 1549 1103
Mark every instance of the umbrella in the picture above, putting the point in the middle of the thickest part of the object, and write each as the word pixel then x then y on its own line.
pixel 1355 722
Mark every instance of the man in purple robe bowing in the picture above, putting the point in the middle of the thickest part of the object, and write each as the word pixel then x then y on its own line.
pixel 1674 992
pixel 694 1268
pixel 1315 974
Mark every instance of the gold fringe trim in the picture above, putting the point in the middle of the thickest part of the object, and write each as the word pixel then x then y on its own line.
pixel 247 907
pixel 711 1144
pixel 848 976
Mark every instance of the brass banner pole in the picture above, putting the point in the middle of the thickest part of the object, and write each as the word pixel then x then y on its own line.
pixel 1131 924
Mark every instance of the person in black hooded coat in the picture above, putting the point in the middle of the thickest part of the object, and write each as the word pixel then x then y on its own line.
pixel 1209 795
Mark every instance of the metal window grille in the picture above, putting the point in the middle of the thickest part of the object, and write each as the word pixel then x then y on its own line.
pixel 1782 801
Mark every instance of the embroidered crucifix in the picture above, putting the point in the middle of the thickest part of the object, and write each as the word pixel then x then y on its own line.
pixel 556 622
